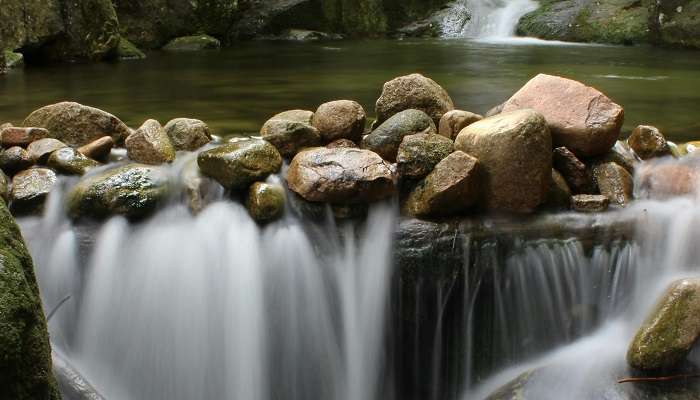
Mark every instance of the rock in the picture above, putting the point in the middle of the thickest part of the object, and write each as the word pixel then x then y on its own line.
pixel 342 143
pixel 150 144
pixel 559 195
pixel 341 175
pixel 25 365
pixel 132 190
pixel 128 51
pixel 291 131
pixel 40 150
pixel 614 182
pixel 669 332
pixel 454 121
pixel 237 165
pixel 304 35
pixel 265 202
pixel 413 91
pixel 675 23
pixel 71 162
pixel 187 134
pixel 514 152
pixel 30 189
pixel 385 140
pixel 15 159
pixel 418 154
pixel 14 60
pixel 5 125
pixel 689 147
pixel 340 119
pixel 589 202
pixel 200 190
pixel 494 110
pixel 620 154
pixel 193 43
pixel 573 170
pixel 16 136
pixel 648 142
pixel 580 117
pixel 451 188
pixel 98 149
pixel 662 180
pixel 4 187
pixel 77 125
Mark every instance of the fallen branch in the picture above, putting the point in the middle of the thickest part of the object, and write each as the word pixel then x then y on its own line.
pixel 657 378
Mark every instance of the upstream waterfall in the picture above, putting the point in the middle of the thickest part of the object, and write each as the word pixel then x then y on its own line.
pixel 484 19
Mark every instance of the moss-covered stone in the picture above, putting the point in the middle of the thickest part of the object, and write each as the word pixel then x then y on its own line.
pixel 193 43
pixel 69 161
pixel 419 154
pixel 128 51
pixel 265 202
pixel 13 60
pixel 675 22
pixel 25 365
pixel 133 190
pixel 237 165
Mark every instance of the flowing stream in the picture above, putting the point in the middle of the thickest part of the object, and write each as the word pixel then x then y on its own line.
pixel 495 19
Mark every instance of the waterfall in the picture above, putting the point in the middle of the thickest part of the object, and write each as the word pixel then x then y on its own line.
pixel 495 19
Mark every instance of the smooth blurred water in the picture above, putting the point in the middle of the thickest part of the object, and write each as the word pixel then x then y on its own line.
pixel 237 89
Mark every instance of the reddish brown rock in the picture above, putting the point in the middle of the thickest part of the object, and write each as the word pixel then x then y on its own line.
pixel 17 136
pixel 99 149
pixel 614 182
pixel 340 175
pixel 454 121
pixel 573 170
pixel 669 179
pixel 342 143
pixel 580 117
pixel 340 119
pixel 413 91
pixel 589 202
pixel 648 142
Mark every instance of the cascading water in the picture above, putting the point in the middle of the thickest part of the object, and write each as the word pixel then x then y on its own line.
pixel 487 19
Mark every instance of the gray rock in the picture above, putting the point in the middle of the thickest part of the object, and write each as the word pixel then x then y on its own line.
pixel 30 189
pixel 71 162
pixel 187 134
pixel 291 131
pixel 40 150
pixel 15 159
pixel 385 140
pixel 419 154
pixel 413 91
pixel 193 43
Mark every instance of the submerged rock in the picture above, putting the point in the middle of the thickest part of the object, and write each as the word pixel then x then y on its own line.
pixel 669 332
pixel 69 161
pixel 98 149
pixel 589 202
pixel 580 117
pixel 418 154
pixel 133 190
pixel 193 43
pixel 515 156
pixel 40 150
pixel 15 159
pixel 150 144
pixel 454 121
pixel 17 136
pixel 648 142
pixel 340 175
pixel 340 119
pixel 413 91
pixel 385 140
pixel 573 170
pixel 614 182
pixel 30 189
pixel 187 134
pixel 662 179
pixel 451 188
pixel 265 202
pixel 77 125
pixel 291 131
pixel 237 165
pixel 25 365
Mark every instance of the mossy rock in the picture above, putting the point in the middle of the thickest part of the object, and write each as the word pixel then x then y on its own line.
pixel 13 60
pixel 237 165
pixel 128 51
pixel 25 365
pixel 193 43
pixel 265 202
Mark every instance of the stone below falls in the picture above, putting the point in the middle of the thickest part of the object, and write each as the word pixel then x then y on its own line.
pixel 238 164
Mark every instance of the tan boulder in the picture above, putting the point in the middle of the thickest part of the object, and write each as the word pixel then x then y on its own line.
pixel 452 122
pixel 291 131
pixel 40 150
pixel 580 117
pixel 340 119
pixel 413 91
pixel 150 144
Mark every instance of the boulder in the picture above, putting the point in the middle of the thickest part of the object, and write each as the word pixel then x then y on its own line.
pixel 25 365
pixel 661 180
pixel 418 154
pixel 187 134
pixel 341 175
pixel 77 125
pixel 265 202
pixel 647 142
pixel 559 195
pixel 589 202
pixel 150 144
pixel 132 190
pixel 40 150
pixel 385 140
pixel 669 332
pixel 451 188
pixel 15 159
pixel 580 117
pixel 291 131
pixel 128 51
pixel 340 119
pixel 30 189
pixel 4 187
pixel 13 60
pixel 17 136
pixel 71 162
pixel 454 121
pixel 514 150
pixel 238 164
pixel 614 182
pixel 193 43
pixel 304 35
pixel 620 154
pixel 342 143
pixel 413 91
pixel 98 149
pixel 573 170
